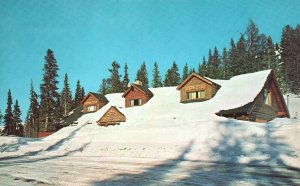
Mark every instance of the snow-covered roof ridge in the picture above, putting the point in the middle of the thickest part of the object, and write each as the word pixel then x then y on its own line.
pixel 240 90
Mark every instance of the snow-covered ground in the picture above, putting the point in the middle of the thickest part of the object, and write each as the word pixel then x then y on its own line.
pixel 163 142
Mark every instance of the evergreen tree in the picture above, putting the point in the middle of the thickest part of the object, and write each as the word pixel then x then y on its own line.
pixel 226 64
pixel 78 95
pixel 104 89
pixel 185 73
pixel 116 85
pixel 82 93
pixel 203 68
pixel 17 128
pixel 125 79
pixel 49 114
pixel 66 102
pixel 1 118
pixel 252 46
pixel 156 81
pixel 32 114
pixel 233 59
pixel 215 66
pixel 8 117
pixel 241 60
pixel 142 75
pixel 172 77
pixel 210 64
pixel 191 71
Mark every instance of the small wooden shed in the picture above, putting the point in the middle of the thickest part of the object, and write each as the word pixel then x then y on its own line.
pixel 112 117
pixel 267 105
pixel 93 102
pixel 137 95
pixel 197 88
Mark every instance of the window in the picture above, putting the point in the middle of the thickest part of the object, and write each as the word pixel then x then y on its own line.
pixel 267 96
pixel 195 95
pixel 91 108
pixel 135 102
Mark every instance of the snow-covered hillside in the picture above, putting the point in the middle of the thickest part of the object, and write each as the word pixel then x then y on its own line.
pixel 166 129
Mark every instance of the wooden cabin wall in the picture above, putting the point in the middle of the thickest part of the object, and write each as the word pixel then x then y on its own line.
pixel 92 101
pixel 112 116
pixel 136 94
pixel 262 112
pixel 196 84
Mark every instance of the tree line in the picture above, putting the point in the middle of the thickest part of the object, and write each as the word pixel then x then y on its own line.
pixel 47 109
pixel 253 51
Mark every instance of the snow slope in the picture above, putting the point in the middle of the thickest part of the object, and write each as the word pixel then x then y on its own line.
pixel 164 128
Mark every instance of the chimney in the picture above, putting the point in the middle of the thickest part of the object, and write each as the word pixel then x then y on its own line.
pixel 138 82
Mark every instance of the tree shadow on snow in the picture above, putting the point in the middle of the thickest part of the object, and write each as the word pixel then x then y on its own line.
pixel 28 156
pixel 265 165
pixel 151 176
pixel 267 169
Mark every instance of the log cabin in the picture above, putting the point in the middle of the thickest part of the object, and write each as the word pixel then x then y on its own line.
pixel 111 117
pixel 267 105
pixel 93 102
pixel 137 95
pixel 197 88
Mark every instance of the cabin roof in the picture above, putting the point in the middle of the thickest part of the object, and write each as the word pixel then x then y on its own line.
pixel 199 76
pixel 144 89
pixel 110 108
pixel 98 96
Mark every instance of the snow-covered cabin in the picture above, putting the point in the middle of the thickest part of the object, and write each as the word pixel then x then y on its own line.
pixel 112 117
pixel 257 95
pixel 197 88
pixel 137 95
pixel 93 102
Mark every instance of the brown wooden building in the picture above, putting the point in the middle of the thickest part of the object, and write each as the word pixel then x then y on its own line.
pixel 137 95
pixel 267 105
pixel 197 88
pixel 93 102
pixel 112 117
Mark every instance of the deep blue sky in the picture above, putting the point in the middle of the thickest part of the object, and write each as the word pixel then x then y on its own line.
pixel 87 35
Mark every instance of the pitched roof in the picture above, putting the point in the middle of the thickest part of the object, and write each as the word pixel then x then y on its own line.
pixel 98 96
pixel 141 88
pixel 199 76
pixel 112 107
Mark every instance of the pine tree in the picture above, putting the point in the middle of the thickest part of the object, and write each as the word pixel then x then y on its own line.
pixel 8 117
pixel 142 75
pixel 104 89
pixel 32 114
pixel 226 64
pixel 203 68
pixel 233 58
pixel 172 77
pixel 216 62
pixel 241 60
pixel 66 102
pixel 252 46
pixel 210 64
pixel 116 85
pixel 49 114
pixel 78 95
pixel 17 128
pixel 126 77
pixel 82 93
pixel 185 72
pixel 156 81
pixel 1 118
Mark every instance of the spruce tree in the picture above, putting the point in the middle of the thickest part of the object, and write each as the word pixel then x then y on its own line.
pixel 142 75
pixel 82 93
pixel 156 81
pixel 49 114
pixel 104 89
pixel 66 97
pixel 167 80
pixel 8 117
pixel 185 72
pixel 78 95
pixel 203 68
pixel 125 78
pixel 32 114
pixel 241 60
pixel 210 64
pixel 226 65
pixel 1 118
pixel 233 58
pixel 116 85
pixel 17 128
pixel 172 77
pixel 216 62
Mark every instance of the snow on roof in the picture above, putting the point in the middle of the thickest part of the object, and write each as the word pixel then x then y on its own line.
pixel 239 90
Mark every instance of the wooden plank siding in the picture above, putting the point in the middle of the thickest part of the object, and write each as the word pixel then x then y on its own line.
pixel 112 117
pixel 91 100
pixel 195 83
